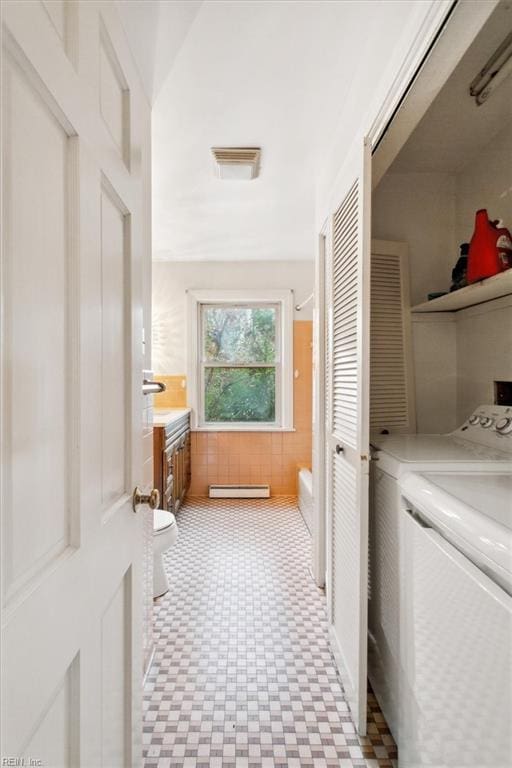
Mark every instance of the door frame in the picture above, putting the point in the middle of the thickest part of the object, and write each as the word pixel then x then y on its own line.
pixel 319 412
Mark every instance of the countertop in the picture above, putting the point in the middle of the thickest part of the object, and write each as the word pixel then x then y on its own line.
pixel 164 416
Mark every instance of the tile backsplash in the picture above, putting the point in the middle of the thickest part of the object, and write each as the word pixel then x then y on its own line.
pixel 175 395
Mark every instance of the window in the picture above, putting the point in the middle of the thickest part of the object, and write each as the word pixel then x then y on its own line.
pixel 242 347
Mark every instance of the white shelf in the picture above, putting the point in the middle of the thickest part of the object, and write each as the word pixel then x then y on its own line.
pixel 477 293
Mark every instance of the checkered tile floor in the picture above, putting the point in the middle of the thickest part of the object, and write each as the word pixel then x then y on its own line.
pixel 242 673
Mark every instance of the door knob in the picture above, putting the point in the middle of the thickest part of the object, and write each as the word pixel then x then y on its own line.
pixel 152 499
pixel 339 449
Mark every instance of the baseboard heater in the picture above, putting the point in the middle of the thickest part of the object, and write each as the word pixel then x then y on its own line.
pixel 239 491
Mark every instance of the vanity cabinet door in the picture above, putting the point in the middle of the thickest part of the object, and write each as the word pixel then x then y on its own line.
pixel 170 477
pixel 182 468
pixel 175 464
pixel 159 466
pixel 178 472
pixel 188 462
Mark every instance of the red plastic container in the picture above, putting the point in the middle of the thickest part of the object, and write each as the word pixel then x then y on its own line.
pixel 485 257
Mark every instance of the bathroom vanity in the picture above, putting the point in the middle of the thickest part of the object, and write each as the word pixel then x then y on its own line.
pixel 172 455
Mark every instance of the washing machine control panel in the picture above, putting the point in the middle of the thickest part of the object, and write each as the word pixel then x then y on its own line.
pixel 504 425
pixel 490 426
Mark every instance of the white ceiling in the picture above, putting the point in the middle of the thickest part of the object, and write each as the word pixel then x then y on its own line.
pixel 269 73
pixel 156 30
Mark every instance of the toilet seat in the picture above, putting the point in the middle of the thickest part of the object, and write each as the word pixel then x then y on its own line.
pixel 162 520
pixel 165 535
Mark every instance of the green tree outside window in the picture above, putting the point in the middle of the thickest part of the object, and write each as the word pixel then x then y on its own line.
pixel 239 358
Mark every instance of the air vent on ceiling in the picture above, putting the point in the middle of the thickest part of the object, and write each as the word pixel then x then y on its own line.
pixel 237 162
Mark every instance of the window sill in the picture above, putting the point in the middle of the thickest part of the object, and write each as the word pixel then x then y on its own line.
pixel 252 428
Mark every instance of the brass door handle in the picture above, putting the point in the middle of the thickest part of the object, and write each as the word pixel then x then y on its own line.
pixel 152 499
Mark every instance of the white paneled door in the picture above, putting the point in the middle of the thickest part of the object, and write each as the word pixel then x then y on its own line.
pixel 75 136
pixel 347 449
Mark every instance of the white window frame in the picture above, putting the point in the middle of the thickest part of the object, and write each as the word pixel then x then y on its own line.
pixel 283 300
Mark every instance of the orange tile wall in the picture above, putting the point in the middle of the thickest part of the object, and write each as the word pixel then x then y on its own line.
pixel 260 457
pixel 175 395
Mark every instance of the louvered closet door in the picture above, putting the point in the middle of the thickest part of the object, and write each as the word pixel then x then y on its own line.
pixel 347 443
pixel 391 377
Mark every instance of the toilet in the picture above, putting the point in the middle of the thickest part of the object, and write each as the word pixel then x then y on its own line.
pixel 165 535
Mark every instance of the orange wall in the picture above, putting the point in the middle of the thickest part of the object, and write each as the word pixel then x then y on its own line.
pixel 254 457
pixel 175 395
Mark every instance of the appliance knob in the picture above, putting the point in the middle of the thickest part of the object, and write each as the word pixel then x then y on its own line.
pixel 474 419
pixel 504 426
pixel 486 421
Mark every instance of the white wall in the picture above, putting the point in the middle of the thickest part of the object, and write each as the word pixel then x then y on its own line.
pixel 419 208
pixel 484 353
pixel 171 280
pixel 434 339
pixel 457 358
pixel 486 182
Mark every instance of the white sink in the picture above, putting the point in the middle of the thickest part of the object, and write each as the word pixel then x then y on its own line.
pixel 163 416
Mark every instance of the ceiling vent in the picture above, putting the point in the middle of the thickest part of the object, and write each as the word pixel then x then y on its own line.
pixel 239 163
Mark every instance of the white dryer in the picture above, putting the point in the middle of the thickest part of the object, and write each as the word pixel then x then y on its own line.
pixel 440 627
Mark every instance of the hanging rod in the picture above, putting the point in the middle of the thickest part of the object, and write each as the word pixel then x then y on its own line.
pixel 298 307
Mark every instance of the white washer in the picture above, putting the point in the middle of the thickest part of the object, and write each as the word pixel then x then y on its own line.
pixel 482 444
pixel 440 628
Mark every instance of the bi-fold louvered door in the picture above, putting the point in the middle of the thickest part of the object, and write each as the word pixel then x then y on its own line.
pixel 391 378
pixel 347 432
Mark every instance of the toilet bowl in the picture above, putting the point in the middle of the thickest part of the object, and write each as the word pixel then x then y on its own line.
pixel 165 535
